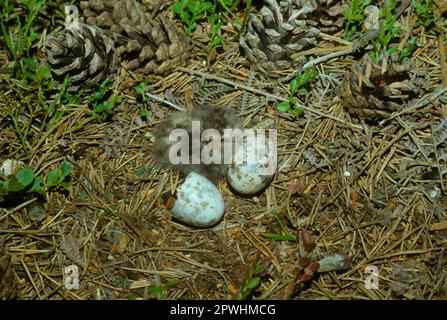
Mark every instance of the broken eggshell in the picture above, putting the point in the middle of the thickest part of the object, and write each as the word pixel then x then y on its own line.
pixel 248 174
pixel 198 202
pixel 334 262
pixel 9 167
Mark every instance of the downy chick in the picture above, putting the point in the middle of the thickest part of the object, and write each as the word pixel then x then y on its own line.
pixel 208 117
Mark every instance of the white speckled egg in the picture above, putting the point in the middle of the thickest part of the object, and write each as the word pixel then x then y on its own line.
pixel 249 177
pixel 198 202
pixel 245 179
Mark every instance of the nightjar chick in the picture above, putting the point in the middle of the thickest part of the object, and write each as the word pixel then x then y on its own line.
pixel 199 145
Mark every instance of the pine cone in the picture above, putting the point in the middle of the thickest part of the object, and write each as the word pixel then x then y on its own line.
pixel 115 15
pixel 327 15
pixel 372 94
pixel 271 42
pixel 148 45
pixel 83 52
pixel 8 286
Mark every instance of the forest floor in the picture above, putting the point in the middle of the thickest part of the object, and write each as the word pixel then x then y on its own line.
pixel 370 189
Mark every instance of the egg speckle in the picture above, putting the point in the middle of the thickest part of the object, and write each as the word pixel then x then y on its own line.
pixel 199 203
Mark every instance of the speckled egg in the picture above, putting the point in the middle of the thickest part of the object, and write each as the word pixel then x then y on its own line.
pixel 198 202
pixel 245 178
pixel 249 177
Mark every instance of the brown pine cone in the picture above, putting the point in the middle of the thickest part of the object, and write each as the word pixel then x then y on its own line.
pixel 272 40
pixel 327 15
pixel 8 286
pixel 371 93
pixel 148 45
pixel 83 52
pixel 115 15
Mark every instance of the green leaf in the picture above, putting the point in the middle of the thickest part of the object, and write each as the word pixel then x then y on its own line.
pixel 283 106
pixel 158 292
pixel 347 14
pixel 307 76
pixel 408 50
pixel 144 113
pixel 140 89
pixel 5 185
pixel 99 108
pixel 357 17
pixel 390 51
pixel 53 177
pixel 279 237
pixel 207 6
pixel 67 167
pixel 279 222
pixel 299 111
pixel 178 7
pixel 193 6
pixel 293 86
pixel 64 185
pixel 216 41
pixel 43 72
pixel 253 282
pixel 13 185
pixel 37 185
pixel 256 269
pixel 25 176
pixel 172 284
pixel 108 105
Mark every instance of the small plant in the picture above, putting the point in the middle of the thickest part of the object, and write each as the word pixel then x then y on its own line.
pixel 19 44
pixel 286 236
pixel 215 38
pixel 354 16
pixel 408 50
pixel 67 97
pixel 141 90
pixel 57 177
pixel 252 282
pixel 160 291
pixel 19 181
pixel 387 31
pixel 191 12
pixel 298 86
pixel 429 14
pixel 216 12
pixel 26 180
pixel 103 106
